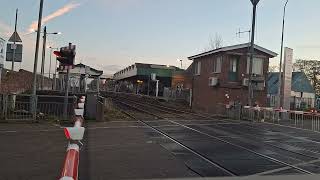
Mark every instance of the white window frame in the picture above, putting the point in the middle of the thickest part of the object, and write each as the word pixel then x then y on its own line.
pixel 197 68
pixel 217 64
pixel 232 61
pixel 256 70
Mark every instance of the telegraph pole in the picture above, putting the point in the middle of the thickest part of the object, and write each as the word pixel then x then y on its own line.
pixel 250 89
pixel 281 52
pixel 34 87
pixel 43 55
pixel 14 42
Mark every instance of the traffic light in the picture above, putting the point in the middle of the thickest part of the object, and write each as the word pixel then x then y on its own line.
pixel 66 55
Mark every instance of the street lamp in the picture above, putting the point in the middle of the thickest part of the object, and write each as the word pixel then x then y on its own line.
pixel 180 62
pixel 45 33
pixel 51 48
pixel 35 65
pixel 280 64
pixel 250 90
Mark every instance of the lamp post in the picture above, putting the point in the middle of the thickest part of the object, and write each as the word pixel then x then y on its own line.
pixel 45 33
pixel 34 85
pixel 250 90
pixel 51 48
pixel 281 52
pixel 180 62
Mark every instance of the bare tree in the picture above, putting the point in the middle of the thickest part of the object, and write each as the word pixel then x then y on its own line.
pixel 311 69
pixel 273 68
pixel 214 42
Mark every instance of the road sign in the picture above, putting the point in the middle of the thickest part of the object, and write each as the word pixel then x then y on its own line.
pixel 18 52
pixel 254 2
pixel 2 51
pixel 15 38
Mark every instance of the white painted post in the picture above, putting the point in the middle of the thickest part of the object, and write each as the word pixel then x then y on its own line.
pixel 157 88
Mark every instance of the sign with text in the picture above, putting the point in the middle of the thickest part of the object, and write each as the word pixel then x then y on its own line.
pixel 16 50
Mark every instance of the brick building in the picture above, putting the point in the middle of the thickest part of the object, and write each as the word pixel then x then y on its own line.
pixel 21 81
pixel 220 76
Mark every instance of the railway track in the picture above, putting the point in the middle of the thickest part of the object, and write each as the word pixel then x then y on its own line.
pixel 149 109
pixel 223 171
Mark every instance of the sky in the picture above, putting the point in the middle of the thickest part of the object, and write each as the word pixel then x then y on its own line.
pixel 113 34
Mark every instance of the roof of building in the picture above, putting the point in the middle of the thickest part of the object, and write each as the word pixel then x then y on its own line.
pixel 234 47
pixel 77 70
pixel 92 69
pixel 20 81
pixel 299 83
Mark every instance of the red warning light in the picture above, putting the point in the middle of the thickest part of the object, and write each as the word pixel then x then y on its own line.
pixel 66 133
pixel 57 53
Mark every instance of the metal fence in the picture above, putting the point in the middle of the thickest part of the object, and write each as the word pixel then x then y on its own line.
pixel 100 108
pixel 19 107
pixel 298 119
pixel 174 94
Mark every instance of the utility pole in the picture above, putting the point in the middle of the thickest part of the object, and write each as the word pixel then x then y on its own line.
pixel 43 55
pixel 281 52
pixel 66 95
pixel 50 63
pixel 14 42
pixel 55 76
pixel 250 89
pixel 34 88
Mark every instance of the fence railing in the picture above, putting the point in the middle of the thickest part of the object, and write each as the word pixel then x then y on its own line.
pixel 299 119
pixel 173 94
pixel 20 107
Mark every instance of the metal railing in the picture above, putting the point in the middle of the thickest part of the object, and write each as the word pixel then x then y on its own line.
pixel 298 119
pixel 19 107
pixel 100 108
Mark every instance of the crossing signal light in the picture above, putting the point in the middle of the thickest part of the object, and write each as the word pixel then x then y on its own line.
pixel 66 55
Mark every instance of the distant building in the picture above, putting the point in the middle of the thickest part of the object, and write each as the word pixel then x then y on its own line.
pixel 302 92
pixel 220 76
pixel 137 78
pixel 81 76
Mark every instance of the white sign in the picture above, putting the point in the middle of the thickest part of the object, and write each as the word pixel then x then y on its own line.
pixel 287 73
pixel 2 51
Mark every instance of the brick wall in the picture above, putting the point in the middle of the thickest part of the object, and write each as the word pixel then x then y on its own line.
pixel 20 81
pixel 210 98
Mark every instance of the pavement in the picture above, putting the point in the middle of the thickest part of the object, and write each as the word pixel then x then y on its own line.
pixel 122 150
pixel 130 150
pixel 31 151
pixel 113 150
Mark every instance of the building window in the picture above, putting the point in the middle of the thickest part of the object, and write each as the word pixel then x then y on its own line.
pixel 233 71
pixel 217 64
pixel 257 66
pixel 197 68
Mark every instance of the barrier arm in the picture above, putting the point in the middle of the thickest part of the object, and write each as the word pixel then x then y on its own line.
pixel 70 169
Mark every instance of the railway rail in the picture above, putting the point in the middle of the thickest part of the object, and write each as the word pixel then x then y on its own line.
pixel 158 111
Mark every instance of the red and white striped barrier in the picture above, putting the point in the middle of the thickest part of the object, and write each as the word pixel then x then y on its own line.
pixel 71 163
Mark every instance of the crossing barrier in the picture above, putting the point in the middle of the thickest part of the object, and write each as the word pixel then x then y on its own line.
pixel 70 169
pixel 299 119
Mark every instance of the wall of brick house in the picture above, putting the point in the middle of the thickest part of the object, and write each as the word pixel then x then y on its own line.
pixel 20 81
pixel 210 98
pixel 183 78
